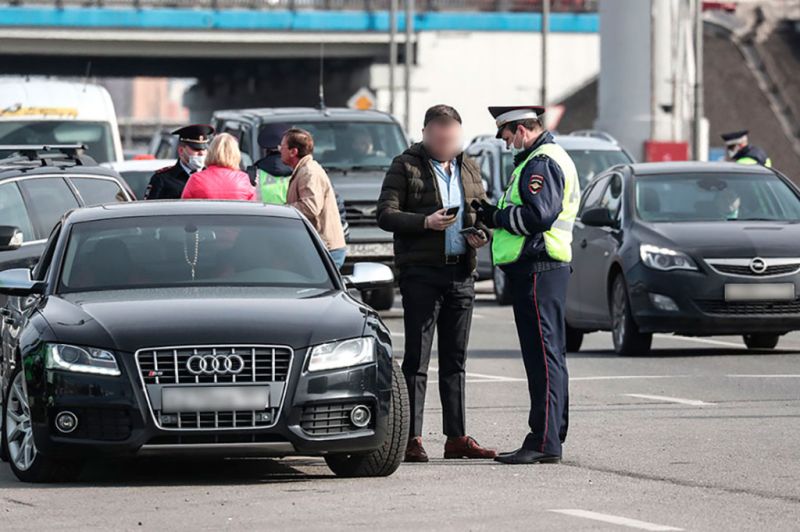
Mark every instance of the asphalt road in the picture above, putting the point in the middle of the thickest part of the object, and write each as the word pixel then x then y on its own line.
pixel 700 435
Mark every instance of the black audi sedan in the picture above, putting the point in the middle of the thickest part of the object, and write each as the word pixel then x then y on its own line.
pixel 192 327
pixel 689 248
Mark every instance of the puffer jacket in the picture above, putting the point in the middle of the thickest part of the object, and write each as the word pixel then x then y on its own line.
pixel 217 182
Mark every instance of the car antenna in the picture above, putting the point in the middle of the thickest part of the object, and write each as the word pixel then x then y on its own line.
pixel 86 76
pixel 322 78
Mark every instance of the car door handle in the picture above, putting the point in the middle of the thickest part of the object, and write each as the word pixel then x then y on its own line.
pixel 583 243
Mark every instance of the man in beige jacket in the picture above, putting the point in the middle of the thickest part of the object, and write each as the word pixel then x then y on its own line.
pixel 310 191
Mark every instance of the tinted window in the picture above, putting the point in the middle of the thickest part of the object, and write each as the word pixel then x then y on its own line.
pixel 98 191
pixel 49 198
pixel 346 145
pixel 13 211
pixel 138 181
pixel 172 251
pixel 507 161
pixel 95 135
pixel 592 197
pixel 715 197
pixel 590 163
pixel 612 196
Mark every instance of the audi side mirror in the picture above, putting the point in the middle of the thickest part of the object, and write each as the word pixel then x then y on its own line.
pixel 18 282
pixel 369 275
pixel 11 238
pixel 598 217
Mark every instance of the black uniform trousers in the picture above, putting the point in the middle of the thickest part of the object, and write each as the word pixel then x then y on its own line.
pixel 539 301
pixel 437 298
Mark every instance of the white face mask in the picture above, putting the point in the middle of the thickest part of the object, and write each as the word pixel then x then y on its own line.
pixel 196 162
pixel 516 150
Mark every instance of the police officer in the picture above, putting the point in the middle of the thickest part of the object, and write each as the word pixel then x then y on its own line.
pixel 532 244
pixel 269 174
pixel 738 149
pixel 168 183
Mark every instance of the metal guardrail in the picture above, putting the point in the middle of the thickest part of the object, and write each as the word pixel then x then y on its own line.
pixel 564 6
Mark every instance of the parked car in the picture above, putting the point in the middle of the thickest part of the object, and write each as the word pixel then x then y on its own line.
pixel 38 184
pixel 592 152
pixel 38 110
pixel 137 173
pixel 340 135
pixel 688 248
pixel 158 327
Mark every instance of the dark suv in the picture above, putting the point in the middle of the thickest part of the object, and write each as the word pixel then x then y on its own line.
pixel 355 148
pixel 38 184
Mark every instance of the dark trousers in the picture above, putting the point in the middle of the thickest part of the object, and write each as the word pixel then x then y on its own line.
pixel 539 302
pixel 437 298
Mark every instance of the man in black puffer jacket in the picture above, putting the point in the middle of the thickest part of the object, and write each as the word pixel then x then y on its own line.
pixel 426 202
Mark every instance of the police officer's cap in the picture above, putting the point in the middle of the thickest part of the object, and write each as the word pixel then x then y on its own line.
pixel 196 136
pixel 271 134
pixel 506 115
pixel 734 137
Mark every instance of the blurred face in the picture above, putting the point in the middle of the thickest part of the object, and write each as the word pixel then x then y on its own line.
pixel 442 139
pixel 288 155
pixel 513 138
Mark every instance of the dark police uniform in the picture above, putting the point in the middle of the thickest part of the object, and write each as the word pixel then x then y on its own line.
pixel 532 245
pixel 169 182
pixel 749 154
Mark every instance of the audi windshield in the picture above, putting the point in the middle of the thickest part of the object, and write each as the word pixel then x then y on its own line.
pixel 188 251
pixel 715 197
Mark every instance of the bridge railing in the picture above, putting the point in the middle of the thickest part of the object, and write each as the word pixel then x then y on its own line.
pixel 580 6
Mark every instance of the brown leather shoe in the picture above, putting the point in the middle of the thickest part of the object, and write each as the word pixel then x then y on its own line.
pixel 466 447
pixel 415 452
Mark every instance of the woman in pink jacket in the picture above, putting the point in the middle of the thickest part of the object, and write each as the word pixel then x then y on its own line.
pixel 221 179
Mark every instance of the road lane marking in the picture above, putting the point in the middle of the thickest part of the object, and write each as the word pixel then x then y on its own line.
pixel 624 377
pixel 398 334
pixel 699 340
pixel 666 399
pixel 615 520
pixel 764 376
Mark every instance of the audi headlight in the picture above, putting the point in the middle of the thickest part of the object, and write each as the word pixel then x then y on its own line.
pixel 81 359
pixel 665 259
pixel 342 354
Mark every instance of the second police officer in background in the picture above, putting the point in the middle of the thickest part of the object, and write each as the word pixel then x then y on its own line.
pixel 739 149
pixel 169 182
pixel 532 244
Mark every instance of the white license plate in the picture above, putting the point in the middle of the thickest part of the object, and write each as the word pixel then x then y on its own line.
pixel 760 292
pixel 370 250
pixel 213 398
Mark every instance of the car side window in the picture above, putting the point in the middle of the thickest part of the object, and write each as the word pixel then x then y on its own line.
pixel 593 196
pixel 49 198
pixel 98 191
pixel 612 197
pixel 13 211
pixel 40 270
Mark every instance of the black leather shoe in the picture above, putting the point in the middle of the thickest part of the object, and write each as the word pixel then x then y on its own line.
pixel 526 456
pixel 509 453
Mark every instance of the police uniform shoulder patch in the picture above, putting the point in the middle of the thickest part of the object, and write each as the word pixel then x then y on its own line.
pixel 535 184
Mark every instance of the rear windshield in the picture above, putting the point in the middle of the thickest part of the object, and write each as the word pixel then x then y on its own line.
pixel 715 197
pixel 179 251
pixel 95 135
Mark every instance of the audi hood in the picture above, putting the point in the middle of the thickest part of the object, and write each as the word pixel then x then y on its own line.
pixel 130 320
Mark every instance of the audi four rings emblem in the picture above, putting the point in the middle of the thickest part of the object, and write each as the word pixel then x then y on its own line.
pixel 758 265
pixel 215 364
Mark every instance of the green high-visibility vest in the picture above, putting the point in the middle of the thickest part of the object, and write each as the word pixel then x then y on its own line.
pixel 506 246
pixel 273 189
pixel 750 160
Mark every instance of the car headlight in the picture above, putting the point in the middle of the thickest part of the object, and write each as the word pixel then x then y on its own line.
pixel 81 359
pixel 665 259
pixel 342 354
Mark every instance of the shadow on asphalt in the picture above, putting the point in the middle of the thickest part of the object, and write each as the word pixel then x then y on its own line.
pixel 179 471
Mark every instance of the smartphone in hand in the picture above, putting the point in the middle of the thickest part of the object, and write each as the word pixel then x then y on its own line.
pixel 452 211
pixel 473 231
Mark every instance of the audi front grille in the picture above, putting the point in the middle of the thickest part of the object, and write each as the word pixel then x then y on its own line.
pixel 239 368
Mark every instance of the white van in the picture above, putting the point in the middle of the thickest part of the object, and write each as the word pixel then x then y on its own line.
pixel 46 111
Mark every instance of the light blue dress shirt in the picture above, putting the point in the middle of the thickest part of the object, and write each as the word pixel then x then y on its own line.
pixel 452 194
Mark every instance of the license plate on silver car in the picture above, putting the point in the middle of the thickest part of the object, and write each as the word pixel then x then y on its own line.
pixel 760 292
pixel 370 250
pixel 176 399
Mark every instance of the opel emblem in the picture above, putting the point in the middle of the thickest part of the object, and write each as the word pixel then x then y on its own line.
pixel 758 265
pixel 215 364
